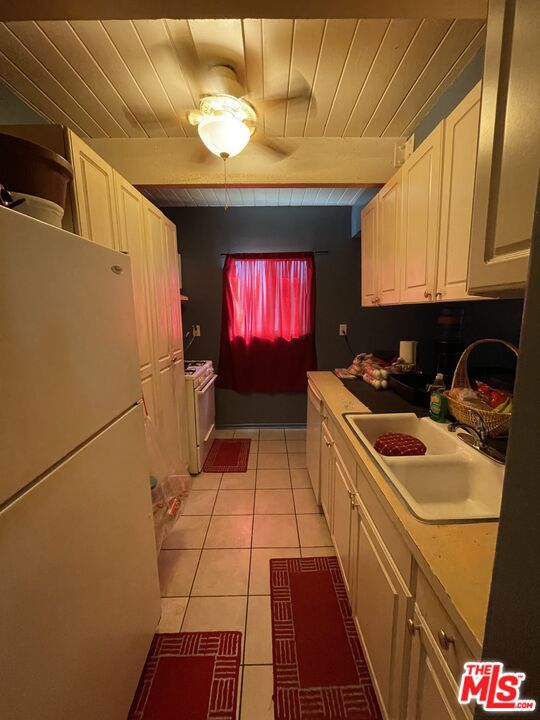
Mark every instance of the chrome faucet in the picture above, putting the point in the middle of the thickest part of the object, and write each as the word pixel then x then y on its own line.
pixel 477 437
pixel 479 434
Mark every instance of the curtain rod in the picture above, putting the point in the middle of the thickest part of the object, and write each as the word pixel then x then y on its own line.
pixel 315 252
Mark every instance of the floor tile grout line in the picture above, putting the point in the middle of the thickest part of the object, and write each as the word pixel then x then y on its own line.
pixel 241 689
pixel 199 561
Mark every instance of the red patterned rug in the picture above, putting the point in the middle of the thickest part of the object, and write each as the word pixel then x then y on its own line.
pixel 189 676
pixel 319 669
pixel 227 456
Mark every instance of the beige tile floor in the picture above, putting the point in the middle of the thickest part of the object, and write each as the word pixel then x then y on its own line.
pixel 214 565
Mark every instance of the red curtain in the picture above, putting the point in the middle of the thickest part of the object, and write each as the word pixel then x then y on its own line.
pixel 268 322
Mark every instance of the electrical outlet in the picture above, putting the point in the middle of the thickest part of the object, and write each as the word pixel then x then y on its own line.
pixel 196 331
pixel 343 329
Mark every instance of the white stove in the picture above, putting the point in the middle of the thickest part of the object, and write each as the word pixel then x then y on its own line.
pixel 201 410
pixel 198 371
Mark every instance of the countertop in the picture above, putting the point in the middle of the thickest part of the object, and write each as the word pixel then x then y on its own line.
pixel 457 559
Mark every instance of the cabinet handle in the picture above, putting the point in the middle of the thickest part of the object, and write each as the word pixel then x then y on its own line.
pixel 438 295
pixel 428 295
pixel 411 627
pixel 355 501
pixel 445 640
pixel 329 443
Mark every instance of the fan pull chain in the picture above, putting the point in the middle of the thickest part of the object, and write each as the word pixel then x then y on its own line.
pixel 225 156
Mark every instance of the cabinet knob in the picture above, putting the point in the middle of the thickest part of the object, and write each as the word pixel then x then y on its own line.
pixel 428 295
pixel 438 295
pixel 445 640
pixel 411 627
pixel 329 443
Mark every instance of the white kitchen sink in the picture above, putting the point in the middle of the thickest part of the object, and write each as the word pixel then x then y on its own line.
pixel 451 483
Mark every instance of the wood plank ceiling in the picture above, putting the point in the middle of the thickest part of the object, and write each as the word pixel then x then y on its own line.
pixel 122 78
pixel 255 197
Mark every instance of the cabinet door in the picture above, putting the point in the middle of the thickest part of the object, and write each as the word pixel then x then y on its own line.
pixel 173 287
pixel 459 167
pixel 327 471
pixel 381 606
pixel 168 417
pixel 132 240
pixel 313 440
pixel 94 195
pixel 508 150
pixel 159 280
pixel 368 247
pixel 421 175
pixel 432 692
pixel 342 511
pixel 389 226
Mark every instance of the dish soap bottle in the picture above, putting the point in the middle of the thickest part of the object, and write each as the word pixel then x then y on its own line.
pixel 437 400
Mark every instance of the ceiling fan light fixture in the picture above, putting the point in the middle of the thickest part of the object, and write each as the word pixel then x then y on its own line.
pixel 223 134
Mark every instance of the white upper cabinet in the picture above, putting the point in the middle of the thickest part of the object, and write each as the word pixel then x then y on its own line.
pixel 389 241
pixel 459 166
pixel 421 179
pixel 173 286
pixel 369 244
pixel 416 233
pixel 508 151
pixel 132 240
pixel 159 278
pixel 94 194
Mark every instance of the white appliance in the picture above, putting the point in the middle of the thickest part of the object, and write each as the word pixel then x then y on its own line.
pixel 80 596
pixel 201 410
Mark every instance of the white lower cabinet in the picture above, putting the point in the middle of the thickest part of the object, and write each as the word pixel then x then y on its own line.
pixel 343 508
pixel 382 603
pixel 432 691
pixel 414 650
pixel 326 473
pixel 313 440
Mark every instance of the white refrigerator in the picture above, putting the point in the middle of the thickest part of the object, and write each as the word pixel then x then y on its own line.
pixel 79 594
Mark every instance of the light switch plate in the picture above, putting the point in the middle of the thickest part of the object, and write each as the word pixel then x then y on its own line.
pixel 196 331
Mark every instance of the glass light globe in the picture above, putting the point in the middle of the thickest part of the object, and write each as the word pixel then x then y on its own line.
pixel 223 135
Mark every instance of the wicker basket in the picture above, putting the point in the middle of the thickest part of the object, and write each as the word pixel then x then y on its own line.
pixel 496 423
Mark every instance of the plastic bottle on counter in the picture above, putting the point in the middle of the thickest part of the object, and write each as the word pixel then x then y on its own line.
pixel 438 406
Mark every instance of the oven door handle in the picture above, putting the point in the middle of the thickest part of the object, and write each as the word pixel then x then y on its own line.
pixel 212 428
pixel 205 388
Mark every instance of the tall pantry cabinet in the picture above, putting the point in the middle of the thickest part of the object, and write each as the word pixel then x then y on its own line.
pixel 110 211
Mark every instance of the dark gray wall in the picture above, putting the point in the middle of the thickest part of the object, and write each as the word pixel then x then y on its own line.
pixel 205 233
pixel 462 85
pixel 14 111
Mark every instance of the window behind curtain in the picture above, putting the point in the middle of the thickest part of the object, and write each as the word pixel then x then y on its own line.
pixel 268 316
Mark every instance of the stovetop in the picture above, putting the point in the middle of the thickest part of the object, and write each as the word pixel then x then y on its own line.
pixel 194 367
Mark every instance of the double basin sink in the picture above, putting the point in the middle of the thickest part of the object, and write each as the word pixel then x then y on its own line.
pixel 451 483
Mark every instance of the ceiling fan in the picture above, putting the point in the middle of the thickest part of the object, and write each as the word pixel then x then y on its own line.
pixel 227 120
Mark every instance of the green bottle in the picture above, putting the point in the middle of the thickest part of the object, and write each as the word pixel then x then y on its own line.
pixel 438 406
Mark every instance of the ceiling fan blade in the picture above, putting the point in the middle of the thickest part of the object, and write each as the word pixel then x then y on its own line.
pixel 299 94
pixel 271 147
